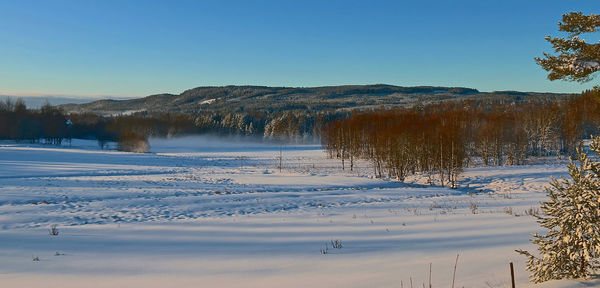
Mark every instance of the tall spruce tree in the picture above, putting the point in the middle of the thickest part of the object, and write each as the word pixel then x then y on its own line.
pixel 575 59
pixel 571 247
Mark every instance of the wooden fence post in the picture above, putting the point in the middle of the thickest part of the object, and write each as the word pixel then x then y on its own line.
pixel 512 275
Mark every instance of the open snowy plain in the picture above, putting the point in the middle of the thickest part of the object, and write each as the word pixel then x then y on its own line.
pixel 197 212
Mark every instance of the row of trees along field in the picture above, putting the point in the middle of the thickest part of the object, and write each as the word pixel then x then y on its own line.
pixel 47 124
pixel 51 125
pixel 443 138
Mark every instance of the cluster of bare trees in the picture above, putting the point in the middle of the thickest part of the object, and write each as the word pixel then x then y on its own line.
pixel 443 138
pixel 50 125
pixel 131 132
pixel 400 142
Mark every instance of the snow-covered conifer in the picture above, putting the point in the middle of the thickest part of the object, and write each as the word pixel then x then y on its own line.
pixel 571 247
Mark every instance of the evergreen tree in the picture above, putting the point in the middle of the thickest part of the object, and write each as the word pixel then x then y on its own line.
pixel 571 247
pixel 576 60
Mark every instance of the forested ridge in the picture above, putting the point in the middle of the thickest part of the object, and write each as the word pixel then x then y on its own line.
pixel 260 99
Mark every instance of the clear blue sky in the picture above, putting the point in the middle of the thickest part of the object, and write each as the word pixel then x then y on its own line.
pixel 137 48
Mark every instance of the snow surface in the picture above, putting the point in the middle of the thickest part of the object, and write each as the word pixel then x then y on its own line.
pixel 199 212
pixel 209 101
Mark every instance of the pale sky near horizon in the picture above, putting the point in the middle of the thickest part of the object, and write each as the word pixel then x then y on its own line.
pixel 137 48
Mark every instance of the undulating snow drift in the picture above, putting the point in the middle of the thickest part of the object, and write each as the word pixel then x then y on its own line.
pixel 201 213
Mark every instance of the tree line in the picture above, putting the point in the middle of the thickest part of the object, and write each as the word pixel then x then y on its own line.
pixel 435 139
pixel 442 139
pixel 47 124
pixel 50 125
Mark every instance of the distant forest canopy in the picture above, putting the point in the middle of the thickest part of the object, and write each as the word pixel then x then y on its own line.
pixel 443 138
pixel 260 99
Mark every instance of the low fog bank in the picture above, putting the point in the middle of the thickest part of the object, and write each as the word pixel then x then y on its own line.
pixel 184 144
pixel 217 143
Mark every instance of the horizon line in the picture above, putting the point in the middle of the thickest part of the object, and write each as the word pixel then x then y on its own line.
pixel 39 94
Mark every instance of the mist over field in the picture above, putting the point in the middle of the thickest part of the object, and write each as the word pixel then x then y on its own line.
pixel 217 143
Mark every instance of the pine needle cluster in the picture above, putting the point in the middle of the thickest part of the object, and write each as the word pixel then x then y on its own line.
pixel 575 59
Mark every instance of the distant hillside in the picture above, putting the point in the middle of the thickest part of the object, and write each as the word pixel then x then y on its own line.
pixel 282 99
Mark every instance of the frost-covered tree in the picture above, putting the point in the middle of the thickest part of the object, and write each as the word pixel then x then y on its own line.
pixel 571 247
pixel 575 59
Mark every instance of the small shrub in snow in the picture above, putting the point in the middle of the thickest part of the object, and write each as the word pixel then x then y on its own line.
pixel 435 205
pixel 337 244
pixel 508 210
pixel 532 211
pixel 325 250
pixel 53 230
pixel 473 206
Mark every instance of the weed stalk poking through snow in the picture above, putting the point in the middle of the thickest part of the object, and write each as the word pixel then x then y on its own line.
pixel 337 244
pixel 53 230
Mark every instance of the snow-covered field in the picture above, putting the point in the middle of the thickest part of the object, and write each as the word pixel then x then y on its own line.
pixel 198 212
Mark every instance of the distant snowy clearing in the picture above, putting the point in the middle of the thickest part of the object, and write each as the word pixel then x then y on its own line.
pixel 202 212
